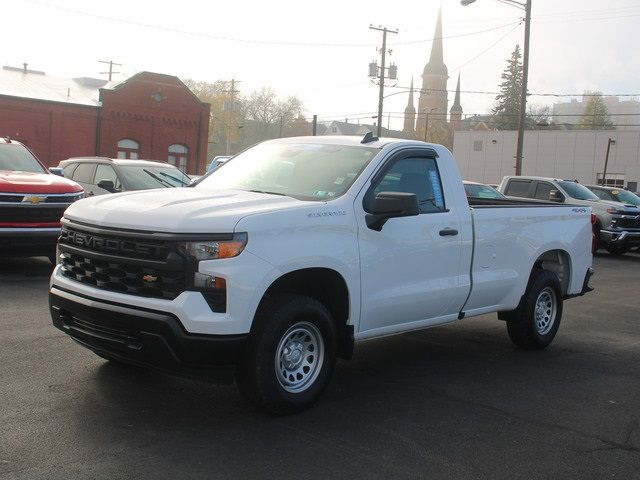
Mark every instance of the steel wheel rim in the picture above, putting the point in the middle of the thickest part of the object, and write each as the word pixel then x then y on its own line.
pixel 299 357
pixel 545 310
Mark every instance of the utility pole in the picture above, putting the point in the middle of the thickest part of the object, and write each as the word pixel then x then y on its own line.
pixel 392 71
pixel 606 161
pixel 523 93
pixel 426 122
pixel 230 107
pixel 314 125
pixel 111 64
pixel 526 6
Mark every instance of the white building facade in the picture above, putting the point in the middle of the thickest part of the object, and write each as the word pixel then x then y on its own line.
pixel 576 154
pixel 624 114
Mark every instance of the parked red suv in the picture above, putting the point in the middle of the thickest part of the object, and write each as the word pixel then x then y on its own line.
pixel 32 201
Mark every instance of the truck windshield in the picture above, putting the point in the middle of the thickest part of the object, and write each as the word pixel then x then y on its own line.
pixel 15 157
pixel 301 170
pixel 577 191
pixel 625 197
pixel 143 177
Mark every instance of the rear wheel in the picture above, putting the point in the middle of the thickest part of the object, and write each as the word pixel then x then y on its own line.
pixel 291 355
pixel 533 325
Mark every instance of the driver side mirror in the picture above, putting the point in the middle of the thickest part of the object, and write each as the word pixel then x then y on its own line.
pixel 56 171
pixel 388 205
pixel 107 185
pixel 556 196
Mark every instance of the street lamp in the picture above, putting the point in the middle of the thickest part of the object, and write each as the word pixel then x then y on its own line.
pixel 526 6
pixel 426 121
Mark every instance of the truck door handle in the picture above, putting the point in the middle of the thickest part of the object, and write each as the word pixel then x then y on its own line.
pixel 448 232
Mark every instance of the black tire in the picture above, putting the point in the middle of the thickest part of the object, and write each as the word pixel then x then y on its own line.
pixel 257 376
pixel 528 327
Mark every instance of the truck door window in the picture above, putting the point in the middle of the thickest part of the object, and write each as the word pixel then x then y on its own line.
pixel 69 169
pixel 603 194
pixel 542 190
pixel 413 175
pixel 84 173
pixel 518 188
pixel 106 172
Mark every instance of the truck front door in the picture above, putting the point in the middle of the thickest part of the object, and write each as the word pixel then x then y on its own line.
pixel 412 270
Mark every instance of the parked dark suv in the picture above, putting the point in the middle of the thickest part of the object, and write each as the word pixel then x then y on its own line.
pixel 99 175
pixel 617 225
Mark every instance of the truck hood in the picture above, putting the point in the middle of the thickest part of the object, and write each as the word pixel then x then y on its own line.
pixel 177 210
pixel 30 182
pixel 621 206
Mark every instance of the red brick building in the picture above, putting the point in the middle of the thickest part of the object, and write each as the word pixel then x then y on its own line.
pixel 150 115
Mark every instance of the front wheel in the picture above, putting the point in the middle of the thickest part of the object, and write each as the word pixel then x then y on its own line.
pixel 290 357
pixel 533 325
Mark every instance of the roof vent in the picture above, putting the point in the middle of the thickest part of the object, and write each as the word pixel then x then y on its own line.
pixel 368 138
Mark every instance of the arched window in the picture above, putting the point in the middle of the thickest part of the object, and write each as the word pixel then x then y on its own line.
pixel 128 148
pixel 179 156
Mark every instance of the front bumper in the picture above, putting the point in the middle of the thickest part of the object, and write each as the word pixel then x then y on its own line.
pixel 28 241
pixel 621 238
pixel 144 337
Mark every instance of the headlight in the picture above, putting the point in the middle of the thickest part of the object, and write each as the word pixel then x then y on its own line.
pixel 211 250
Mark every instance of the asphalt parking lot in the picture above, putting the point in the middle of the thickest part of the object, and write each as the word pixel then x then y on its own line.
pixel 451 402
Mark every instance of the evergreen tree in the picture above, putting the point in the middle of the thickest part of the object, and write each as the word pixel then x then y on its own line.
pixel 595 115
pixel 506 110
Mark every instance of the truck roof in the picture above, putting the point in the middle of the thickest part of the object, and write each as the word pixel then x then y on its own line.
pixel 350 140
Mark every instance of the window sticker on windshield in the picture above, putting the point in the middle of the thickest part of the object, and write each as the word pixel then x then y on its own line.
pixel 339 181
pixel 319 193
pixel 435 184
pixel 615 192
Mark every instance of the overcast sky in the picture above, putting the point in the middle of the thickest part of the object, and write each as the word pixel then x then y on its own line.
pixel 319 51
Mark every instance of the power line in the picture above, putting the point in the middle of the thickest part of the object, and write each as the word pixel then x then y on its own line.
pixel 529 94
pixel 487 49
pixel 248 40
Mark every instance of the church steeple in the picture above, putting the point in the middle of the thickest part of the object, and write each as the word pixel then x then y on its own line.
pixel 410 113
pixel 436 64
pixel 456 109
pixel 433 102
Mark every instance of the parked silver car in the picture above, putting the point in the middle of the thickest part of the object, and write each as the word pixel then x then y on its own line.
pixel 617 225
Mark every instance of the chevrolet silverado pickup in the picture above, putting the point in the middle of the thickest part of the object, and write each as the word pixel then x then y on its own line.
pixel 616 225
pixel 297 248
pixel 32 201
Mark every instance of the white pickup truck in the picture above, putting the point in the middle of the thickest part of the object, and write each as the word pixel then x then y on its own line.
pixel 278 262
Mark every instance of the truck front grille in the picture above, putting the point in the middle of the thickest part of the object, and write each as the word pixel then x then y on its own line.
pixel 31 214
pixel 119 262
pixel 627 222
pixel 123 277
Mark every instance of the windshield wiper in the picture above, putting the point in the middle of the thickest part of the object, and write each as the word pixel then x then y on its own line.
pixel 270 193
pixel 153 175
pixel 181 182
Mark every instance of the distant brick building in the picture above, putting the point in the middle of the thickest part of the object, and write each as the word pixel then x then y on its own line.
pixel 150 115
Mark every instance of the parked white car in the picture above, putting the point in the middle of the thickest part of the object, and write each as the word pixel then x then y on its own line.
pixel 299 247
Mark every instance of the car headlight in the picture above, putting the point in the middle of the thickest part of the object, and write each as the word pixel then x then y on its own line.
pixel 216 249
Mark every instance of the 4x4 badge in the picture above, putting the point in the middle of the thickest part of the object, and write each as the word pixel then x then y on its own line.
pixel 149 278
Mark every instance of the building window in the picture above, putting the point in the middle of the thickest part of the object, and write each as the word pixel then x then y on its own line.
pixel 179 156
pixel 477 145
pixel 128 148
pixel 612 180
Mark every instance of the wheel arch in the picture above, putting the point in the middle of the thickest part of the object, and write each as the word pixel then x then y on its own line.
pixel 325 285
pixel 557 261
